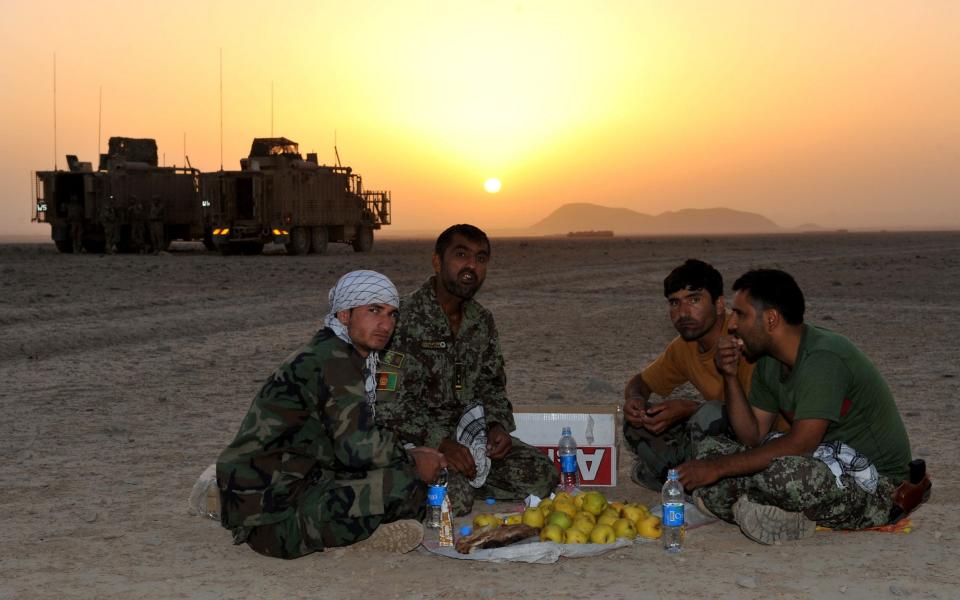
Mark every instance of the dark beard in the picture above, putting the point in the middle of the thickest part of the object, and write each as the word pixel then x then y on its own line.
pixel 461 291
pixel 690 335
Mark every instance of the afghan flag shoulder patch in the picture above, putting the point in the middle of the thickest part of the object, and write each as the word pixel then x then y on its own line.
pixel 387 382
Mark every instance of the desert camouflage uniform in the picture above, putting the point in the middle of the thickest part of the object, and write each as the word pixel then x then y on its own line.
pixel 798 484
pixel 657 454
pixel 429 378
pixel 309 469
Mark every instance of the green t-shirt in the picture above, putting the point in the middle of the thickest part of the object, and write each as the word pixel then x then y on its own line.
pixel 833 380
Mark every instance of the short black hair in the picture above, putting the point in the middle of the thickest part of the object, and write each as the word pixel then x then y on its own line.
pixel 694 275
pixel 773 288
pixel 472 233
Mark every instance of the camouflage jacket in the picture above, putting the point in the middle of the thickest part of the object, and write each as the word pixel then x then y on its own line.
pixel 428 377
pixel 309 425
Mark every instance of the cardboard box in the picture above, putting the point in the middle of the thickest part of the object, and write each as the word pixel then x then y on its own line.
pixel 594 428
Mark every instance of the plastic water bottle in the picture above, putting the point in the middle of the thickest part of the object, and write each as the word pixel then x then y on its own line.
pixel 673 523
pixel 567 452
pixel 435 495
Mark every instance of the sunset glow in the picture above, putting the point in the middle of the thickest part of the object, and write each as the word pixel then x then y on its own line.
pixel 840 113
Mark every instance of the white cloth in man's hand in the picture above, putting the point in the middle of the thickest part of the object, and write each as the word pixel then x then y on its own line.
pixel 472 433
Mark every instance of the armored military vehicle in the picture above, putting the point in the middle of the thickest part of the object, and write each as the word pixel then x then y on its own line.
pixel 129 203
pixel 277 196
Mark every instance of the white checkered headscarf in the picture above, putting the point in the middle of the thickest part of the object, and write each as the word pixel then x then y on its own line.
pixel 359 288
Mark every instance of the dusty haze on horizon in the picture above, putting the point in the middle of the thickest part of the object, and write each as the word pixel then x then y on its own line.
pixel 841 114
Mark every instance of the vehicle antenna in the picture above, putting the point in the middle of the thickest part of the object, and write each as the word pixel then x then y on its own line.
pixel 271 109
pixel 54 111
pixel 221 109
pixel 184 147
pixel 96 156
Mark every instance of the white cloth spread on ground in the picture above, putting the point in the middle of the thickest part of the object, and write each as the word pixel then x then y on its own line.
pixel 842 459
pixel 360 288
pixel 472 433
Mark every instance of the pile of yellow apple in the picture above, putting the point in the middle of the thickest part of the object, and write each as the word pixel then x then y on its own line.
pixel 586 517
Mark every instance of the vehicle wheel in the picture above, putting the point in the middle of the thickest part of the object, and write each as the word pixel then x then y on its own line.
pixel 64 246
pixel 318 240
pixel 364 240
pixel 94 246
pixel 299 241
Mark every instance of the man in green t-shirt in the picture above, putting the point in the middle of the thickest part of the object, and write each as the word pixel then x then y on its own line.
pixel 847 448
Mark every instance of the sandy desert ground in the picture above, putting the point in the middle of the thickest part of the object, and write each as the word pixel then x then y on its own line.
pixel 124 376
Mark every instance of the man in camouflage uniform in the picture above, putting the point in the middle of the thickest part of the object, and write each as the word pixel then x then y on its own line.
pixel 444 361
pixel 309 469
pixel 846 450
pixel 661 434
pixel 155 216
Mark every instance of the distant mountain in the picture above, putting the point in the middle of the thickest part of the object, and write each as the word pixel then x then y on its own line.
pixel 623 221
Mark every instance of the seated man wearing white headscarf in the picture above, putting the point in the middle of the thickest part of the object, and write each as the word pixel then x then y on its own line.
pixel 309 469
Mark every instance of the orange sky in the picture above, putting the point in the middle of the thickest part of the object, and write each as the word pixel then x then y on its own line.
pixel 839 113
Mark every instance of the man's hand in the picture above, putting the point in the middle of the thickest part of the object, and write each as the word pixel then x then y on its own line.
pixel 657 418
pixel 458 457
pixel 727 358
pixel 498 442
pixel 633 410
pixel 698 473
pixel 428 461
pixel 635 396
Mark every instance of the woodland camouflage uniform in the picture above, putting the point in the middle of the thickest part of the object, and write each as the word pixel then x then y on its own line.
pixel 309 469
pixel 428 378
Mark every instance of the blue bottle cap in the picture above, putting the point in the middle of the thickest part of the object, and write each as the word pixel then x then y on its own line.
pixel 466 530
pixel 490 501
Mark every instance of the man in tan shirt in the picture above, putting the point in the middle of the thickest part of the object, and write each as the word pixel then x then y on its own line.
pixel 660 433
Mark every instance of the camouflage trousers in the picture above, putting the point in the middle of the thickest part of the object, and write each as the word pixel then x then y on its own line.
pixel 523 471
pixel 656 454
pixel 797 484
pixel 342 514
